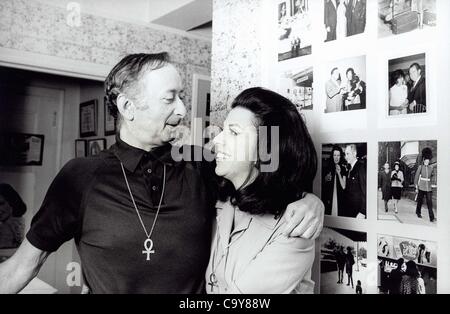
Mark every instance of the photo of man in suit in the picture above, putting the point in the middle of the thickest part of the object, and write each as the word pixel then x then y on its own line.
pixel 417 94
pixel 355 189
pixel 330 19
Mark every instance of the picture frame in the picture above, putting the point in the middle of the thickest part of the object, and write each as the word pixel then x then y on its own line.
pixel 80 148
pixel 88 118
pixel 110 121
pixel 21 149
pixel 95 146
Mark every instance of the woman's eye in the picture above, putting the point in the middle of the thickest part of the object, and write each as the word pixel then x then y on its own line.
pixel 233 132
pixel 169 100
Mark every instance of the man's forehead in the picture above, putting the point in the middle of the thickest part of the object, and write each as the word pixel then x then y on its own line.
pixel 166 78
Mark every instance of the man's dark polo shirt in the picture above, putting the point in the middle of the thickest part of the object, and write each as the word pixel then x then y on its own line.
pixel 89 201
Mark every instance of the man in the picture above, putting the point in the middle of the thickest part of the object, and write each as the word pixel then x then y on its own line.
pixel 355 189
pixel 417 94
pixel 334 92
pixel 358 17
pixel 384 184
pixel 424 185
pixel 140 219
pixel 330 21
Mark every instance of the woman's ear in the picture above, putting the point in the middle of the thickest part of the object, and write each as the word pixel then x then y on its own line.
pixel 126 107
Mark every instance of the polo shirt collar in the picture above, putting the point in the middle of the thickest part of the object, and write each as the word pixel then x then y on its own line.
pixel 131 156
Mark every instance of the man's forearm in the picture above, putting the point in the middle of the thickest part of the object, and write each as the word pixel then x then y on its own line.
pixel 21 268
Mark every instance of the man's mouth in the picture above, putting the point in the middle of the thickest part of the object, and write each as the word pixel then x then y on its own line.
pixel 221 156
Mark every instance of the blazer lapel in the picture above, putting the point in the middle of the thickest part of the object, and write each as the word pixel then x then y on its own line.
pixel 225 216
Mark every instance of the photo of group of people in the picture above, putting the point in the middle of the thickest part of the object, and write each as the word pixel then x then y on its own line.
pixel 346 88
pixel 407 177
pixel 297 86
pixel 406 266
pixel 401 16
pixel 294 29
pixel 343 261
pixel 344 179
pixel 407 85
pixel 343 18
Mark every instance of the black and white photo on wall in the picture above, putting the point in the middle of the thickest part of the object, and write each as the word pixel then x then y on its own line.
pixel 343 261
pixel 345 88
pixel 407 85
pixel 344 179
pixel 294 29
pixel 297 86
pixel 406 266
pixel 401 16
pixel 21 149
pixel 407 181
pixel 88 118
pixel 80 148
pixel 344 18
pixel 95 146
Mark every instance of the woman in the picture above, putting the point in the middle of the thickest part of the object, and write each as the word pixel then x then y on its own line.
pixel 341 25
pixel 349 262
pixel 398 94
pixel 397 179
pixel 410 282
pixel 334 182
pixel 249 252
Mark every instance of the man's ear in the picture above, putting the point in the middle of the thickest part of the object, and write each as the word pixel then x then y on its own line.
pixel 125 107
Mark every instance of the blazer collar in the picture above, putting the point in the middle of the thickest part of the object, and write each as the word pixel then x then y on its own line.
pixel 225 217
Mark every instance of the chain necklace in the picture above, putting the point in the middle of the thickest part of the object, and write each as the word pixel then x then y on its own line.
pixel 148 243
pixel 213 282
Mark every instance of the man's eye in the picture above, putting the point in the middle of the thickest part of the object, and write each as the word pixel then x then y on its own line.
pixel 169 100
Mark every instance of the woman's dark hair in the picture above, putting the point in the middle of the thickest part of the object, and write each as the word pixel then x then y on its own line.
pixel 271 192
pixel 341 158
pixel 125 74
pixel 396 75
pixel 350 70
pixel 411 269
pixel 14 200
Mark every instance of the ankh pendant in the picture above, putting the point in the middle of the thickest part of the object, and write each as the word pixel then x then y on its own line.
pixel 148 246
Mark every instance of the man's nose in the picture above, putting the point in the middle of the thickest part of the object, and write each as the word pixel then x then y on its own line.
pixel 180 108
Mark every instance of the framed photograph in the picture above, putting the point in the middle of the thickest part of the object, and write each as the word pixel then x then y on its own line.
pixel 110 121
pixel 343 261
pixel 297 86
pixel 88 118
pixel 80 148
pixel 21 149
pixel 344 18
pixel 294 29
pixel 407 182
pixel 401 16
pixel 407 85
pixel 345 90
pixel 95 146
pixel 398 256
pixel 344 179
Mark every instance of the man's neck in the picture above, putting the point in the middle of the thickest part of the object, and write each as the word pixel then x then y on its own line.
pixel 126 136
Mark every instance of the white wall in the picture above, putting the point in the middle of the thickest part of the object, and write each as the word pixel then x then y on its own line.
pixel 238 63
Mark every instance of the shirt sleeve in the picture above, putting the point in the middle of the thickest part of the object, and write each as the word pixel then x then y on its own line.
pixel 278 268
pixel 59 217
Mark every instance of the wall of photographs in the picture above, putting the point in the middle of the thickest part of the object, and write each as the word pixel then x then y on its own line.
pixel 369 77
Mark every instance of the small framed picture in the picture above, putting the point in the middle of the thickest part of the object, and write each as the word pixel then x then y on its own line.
pixel 80 148
pixel 88 118
pixel 110 122
pixel 95 146
pixel 21 149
